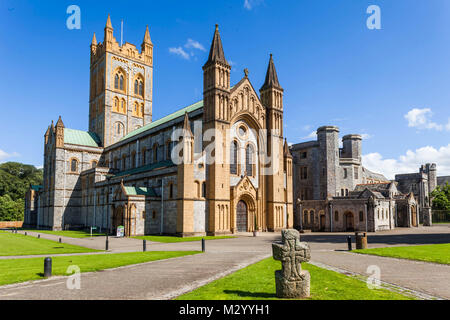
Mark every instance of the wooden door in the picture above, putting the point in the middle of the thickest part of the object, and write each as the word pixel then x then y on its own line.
pixel 241 217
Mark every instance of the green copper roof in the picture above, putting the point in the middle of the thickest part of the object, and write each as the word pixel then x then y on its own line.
pixel 82 138
pixel 36 187
pixel 149 167
pixel 172 116
pixel 140 191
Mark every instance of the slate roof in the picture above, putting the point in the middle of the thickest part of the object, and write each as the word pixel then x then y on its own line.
pixel 82 138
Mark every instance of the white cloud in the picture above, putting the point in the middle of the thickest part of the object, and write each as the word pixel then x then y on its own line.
pixel 180 52
pixel 366 136
pixel 312 135
pixel 4 155
pixel 421 119
pixel 250 4
pixel 192 44
pixel 410 162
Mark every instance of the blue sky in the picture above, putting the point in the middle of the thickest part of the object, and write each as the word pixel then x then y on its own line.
pixel 392 85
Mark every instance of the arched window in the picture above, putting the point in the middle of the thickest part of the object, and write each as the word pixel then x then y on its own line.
pixel 124 162
pixel 311 217
pixel 170 191
pixel 204 189
pixel 141 88
pixel 136 84
pixel 116 104
pixel 121 82
pixel 233 157
pixel 74 165
pixel 155 153
pixel 144 156
pixel 123 108
pixel 249 155
pixel 116 81
pixel 93 164
pixel 135 109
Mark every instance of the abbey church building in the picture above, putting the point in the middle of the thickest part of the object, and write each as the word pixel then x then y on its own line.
pixel 168 176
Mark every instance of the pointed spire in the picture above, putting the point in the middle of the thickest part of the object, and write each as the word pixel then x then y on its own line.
pixel 287 152
pixel 186 125
pixel 216 52
pixel 108 22
pixel 147 36
pixel 94 40
pixel 59 123
pixel 271 76
pixel 47 132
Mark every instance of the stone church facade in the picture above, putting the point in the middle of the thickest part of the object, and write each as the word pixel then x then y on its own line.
pixel 197 171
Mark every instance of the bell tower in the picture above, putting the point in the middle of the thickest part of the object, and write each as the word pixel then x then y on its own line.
pixel 121 86
pixel 272 99
pixel 216 98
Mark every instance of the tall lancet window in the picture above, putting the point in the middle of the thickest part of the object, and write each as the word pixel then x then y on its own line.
pixel 116 82
pixel 249 160
pixel 121 82
pixel 233 157
pixel 136 84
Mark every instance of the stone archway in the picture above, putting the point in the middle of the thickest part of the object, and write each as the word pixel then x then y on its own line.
pixel 118 218
pixel 349 221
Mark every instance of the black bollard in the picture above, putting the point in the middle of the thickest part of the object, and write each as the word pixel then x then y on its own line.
pixel 349 242
pixel 203 245
pixel 25 233
pixel 59 240
pixel 39 236
pixel 144 245
pixel 47 267
pixel 107 243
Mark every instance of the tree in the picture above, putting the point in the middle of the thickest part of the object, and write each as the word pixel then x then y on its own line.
pixel 441 197
pixel 15 180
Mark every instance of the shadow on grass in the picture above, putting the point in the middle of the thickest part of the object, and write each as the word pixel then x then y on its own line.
pixel 243 294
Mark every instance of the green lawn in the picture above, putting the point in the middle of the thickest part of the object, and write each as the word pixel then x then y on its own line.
pixel 257 282
pixel 168 239
pixel 438 253
pixel 19 270
pixel 12 244
pixel 68 233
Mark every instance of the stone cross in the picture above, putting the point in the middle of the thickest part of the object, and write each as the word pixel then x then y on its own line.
pixel 292 281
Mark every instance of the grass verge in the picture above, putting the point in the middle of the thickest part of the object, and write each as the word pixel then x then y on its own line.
pixel 12 244
pixel 437 253
pixel 257 282
pixel 20 270
pixel 168 239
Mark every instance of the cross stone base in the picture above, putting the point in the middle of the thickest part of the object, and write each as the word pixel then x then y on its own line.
pixel 293 289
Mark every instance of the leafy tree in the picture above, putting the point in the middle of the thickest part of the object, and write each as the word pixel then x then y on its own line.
pixel 441 197
pixel 15 180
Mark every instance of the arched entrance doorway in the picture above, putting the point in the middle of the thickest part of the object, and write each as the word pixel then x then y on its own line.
pixel 322 222
pixel 242 217
pixel 349 221
pixel 117 218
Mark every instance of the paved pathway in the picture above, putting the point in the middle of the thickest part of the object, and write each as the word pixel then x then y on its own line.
pixel 164 279
pixel 169 278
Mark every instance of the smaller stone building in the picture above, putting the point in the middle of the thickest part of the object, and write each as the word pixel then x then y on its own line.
pixel 335 192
